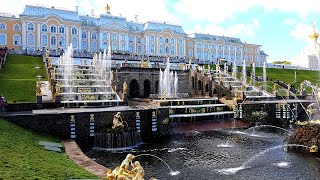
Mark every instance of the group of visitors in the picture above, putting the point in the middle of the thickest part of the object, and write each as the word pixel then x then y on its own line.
pixel 285 86
pixel 3 51
pixel 3 104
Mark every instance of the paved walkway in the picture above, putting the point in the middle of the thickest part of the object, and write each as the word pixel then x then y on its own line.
pixel 75 153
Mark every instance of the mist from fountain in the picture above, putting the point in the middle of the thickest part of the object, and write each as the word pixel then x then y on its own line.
pixel 234 69
pixel 66 63
pixel 260 126
pixel 264 76
pixel 253 75
pixel 168 82
pixel 244 73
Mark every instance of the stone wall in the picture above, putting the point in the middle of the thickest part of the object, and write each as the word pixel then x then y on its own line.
pixel 59 124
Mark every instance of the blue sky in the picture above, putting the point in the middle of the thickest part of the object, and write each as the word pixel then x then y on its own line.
pixel 280 26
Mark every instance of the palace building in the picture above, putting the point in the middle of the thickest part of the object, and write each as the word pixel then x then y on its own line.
pixel 55 28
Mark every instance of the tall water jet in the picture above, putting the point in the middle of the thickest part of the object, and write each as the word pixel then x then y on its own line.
pixel 264 76
pixel 168 82
pixel 234 69
pixel 253 75
pixel 244 73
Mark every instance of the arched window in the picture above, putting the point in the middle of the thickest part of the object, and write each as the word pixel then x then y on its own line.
pixel 245 57
pixel 251 58
pixel 44 28
pixel 206 46
pixel 114 37
pixel 167 50
pixel 84 35
pixel 172 50
pixel 61 29
pixel 161 49
pixel 161 40
pixel 206 55
pixel 180 42
pixel 166 40
pixel 105 45
pixel 84 45
pixel 199 54
pixel 16 40
pixel 152 48
pixel 213 46
pixel 251 50
pixel 53 29
pixel 172 41
pixel 94 46
pixel 199 45
pixel 74 31
pixel 123 47
pixel 31 39
pixel 139 40
pixel 139 50
pixel 220 47
pixel 130 48
pixel 190 53
pixel 44 40
pixel 74 42
pixel 123 38
pixel 245 49
pixel 114 46
pixel 151 39
pixel 17 27
pixel 105 36
pixel 53 40
pixel 3 39
pixel 181 50
pixel 130 38
pixel 2 26
pixel 94 35
pixel 61 41
pixel 30 27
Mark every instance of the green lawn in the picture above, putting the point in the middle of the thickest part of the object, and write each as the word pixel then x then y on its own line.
pixel 18 78
pixel 22 158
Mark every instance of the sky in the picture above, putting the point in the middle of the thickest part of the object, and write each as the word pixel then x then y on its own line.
pixel 282 27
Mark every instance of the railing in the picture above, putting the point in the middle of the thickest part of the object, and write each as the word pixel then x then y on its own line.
pixel 177 95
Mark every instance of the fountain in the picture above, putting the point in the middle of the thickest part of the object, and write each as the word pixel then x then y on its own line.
pixel 234 69
pixel 244 73
pixel 253 75
pixel 168 82
pixel 83 83
pixel 264 77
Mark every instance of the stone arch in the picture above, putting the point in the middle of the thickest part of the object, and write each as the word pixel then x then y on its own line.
pixel 146 88
pixel 133 88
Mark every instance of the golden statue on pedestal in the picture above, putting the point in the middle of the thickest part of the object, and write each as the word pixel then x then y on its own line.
pixel 38 88
pixel 107 9
pixel 117 121
pixel 58 87
pixel 145 64
pixel 47 53
pixel 314 149
pixel 122 172
pixel 49 63
pixel 125 88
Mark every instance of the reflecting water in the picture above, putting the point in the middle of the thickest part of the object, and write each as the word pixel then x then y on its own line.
pixel 217 154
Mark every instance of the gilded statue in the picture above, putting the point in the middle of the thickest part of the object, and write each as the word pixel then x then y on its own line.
pixel 58 88
pixel 38 88
pixel 107 8
pixel 164 96
pixel 145 64
pixel 125 88
pixel 136 172
pixel 49 63
pixel 117 121
pixel 47 53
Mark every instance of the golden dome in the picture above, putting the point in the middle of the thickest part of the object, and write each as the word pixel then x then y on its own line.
pixel 314 35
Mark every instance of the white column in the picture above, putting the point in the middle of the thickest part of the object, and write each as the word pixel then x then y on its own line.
pixel 67 36
pixel 38 36
pixel 24 34
pixel 89 41
pixel 80 39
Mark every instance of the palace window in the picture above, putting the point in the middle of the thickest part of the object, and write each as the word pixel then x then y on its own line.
pixel 139 50
pixel 130 39
pixel 152 48
pixel 190 44
pixel 245 57
pixel 220 47
pixel 44 40
pixel 84 45
pixel 172 41
pixel 161 49
pixel 74 31
pixel 213 46
pixel 190 53
pixel 53 40
pixel 257 58
pixel 257 50
pixel 245 49
pixel 44 28
pixel 105 45
pixel 105 36
pixel 231 48
pixel 199 54
pixel 139 40
pixel 3 39
pixel 114 46
pixel 251 50
pixel 199 45
pixel 172 50
pixel 17 27
pixel 16 40
pixel 251 58
pixel 30 39
pixel 30 27
pixel 161 40
pixel 206 55
pixel 61 41
pixel 181 50
pixel 114 37
pixel 53 29
pixel 166 40
pixel 180 42
pixel 94 46
pixel 123 37
pixel 61 29
pixel 2 26
pixel 152 39
pixel 94 35
pixel 123 47
pixel 74 42
pixel 167 50
pixel 206 46
pixel 84 35
pixel 130 48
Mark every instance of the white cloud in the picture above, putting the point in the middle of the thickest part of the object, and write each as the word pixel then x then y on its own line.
pixel 289 21
pixel 301 31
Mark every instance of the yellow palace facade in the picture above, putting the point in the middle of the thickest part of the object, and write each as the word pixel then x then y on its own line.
pixel 55 29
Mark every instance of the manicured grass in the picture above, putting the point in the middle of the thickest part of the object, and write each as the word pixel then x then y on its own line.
pixel 18 78
pixel 22 158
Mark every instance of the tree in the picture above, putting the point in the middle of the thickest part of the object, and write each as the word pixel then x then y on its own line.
pixel 282 62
